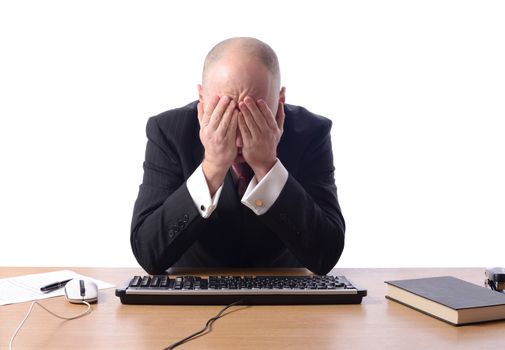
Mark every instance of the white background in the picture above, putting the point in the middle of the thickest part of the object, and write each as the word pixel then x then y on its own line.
pixel 415 89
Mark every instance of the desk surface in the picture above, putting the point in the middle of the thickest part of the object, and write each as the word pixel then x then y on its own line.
pixel 375 324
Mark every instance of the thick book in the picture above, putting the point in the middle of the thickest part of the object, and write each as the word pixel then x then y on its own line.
pixel 449 299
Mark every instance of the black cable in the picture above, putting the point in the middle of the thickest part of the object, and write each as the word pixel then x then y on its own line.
pixel 207 327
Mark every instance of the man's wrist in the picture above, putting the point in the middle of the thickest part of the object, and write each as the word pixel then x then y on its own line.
pixel 199 192
pixel 214 175
pixel 260 196
pixel 261 170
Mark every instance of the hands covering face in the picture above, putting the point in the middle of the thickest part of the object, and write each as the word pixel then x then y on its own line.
pixel 226 126
pixel 218 131
pixel 261 132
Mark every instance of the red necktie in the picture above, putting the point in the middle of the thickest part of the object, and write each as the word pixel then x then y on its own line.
pixel 244 176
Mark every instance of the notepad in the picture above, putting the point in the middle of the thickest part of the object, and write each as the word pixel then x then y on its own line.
pixel 27 287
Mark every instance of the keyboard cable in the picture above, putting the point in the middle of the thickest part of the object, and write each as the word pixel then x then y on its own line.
pixel 208 326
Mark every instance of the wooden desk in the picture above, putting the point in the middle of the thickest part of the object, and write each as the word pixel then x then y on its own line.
pixel 375 324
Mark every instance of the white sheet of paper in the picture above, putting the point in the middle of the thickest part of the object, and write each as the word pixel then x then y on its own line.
pixel 27 287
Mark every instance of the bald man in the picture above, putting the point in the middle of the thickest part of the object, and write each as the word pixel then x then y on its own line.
pixel 238 178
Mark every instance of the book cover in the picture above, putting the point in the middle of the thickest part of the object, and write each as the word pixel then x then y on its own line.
pixel 448 298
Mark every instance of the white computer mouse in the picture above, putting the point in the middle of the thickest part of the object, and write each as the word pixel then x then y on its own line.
pixel 79 290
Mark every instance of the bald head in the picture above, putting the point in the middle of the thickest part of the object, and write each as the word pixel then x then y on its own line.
pixel 247 48
pixel 240 67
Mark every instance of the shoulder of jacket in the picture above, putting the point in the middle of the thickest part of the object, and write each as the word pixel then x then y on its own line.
pixel 173 115
pixel 301 120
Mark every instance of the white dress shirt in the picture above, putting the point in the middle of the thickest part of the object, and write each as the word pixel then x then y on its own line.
pixel 259 196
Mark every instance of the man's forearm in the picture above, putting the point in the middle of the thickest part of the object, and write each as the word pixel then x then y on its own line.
pixel 214 175
pixel 313 233
pixel 162 235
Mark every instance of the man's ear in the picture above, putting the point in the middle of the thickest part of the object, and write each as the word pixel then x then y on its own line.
pixel 200 92
pixel 282 95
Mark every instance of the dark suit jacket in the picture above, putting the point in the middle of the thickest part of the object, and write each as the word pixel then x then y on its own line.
pixel 303 228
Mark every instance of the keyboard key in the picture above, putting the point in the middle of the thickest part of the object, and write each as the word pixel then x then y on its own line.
pixel 178 283
pixel 164 281
pixel 145 282
pixel 155 281
pixel 135 282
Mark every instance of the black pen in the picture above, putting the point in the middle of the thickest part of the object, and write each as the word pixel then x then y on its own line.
pixel 54 286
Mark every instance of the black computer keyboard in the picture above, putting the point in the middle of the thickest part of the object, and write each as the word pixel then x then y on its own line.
pixel 250 290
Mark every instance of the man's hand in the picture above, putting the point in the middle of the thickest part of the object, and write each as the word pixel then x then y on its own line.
pixel 218 129
pixel 261 133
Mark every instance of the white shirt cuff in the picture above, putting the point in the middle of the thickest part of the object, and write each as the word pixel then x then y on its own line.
pixel 199 192
pixel 259 197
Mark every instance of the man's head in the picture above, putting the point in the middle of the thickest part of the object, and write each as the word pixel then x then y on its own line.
pixel 240 67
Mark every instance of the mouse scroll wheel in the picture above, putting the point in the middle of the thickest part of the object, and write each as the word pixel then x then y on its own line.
pixel 83 290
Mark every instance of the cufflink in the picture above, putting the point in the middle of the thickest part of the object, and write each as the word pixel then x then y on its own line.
pixel 258 203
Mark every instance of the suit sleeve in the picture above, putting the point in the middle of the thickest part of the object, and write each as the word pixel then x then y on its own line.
pixel 306 216
pixel 165 220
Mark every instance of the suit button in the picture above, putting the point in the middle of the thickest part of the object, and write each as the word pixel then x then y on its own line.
pixel 171 233
pixel 185 218
pixel 180 223
pixel 176 230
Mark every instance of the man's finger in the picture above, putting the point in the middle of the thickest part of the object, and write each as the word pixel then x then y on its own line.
pixel 248 118
pixel 258 117
pixel 267 113
pixel 208 108
pixel 232 128
pixel 244 130
pixel 280 116
pixel 226 119
pixel 218 112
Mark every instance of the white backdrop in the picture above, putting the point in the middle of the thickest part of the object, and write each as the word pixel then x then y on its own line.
pixel 416 91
